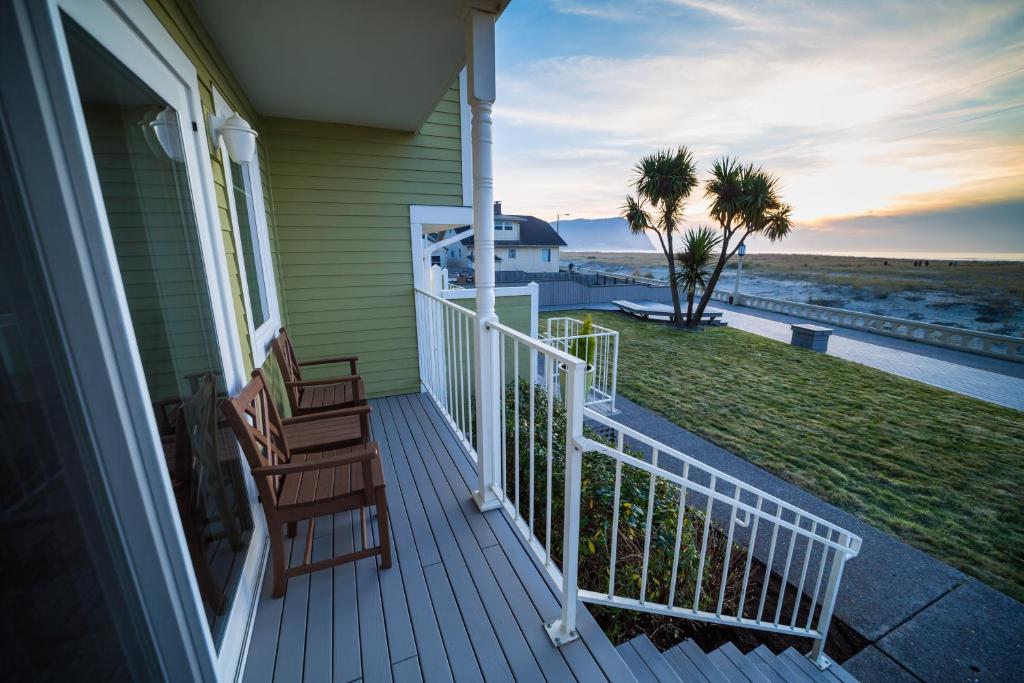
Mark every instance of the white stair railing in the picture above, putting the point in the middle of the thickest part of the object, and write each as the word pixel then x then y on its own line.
pixel 800 556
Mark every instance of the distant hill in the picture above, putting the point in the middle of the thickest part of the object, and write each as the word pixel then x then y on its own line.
pixel 601 234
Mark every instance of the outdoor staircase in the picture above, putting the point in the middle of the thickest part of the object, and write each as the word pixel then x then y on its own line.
pixel 687 663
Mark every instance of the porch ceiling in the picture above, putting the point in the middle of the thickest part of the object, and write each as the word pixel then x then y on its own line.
pixel 383 64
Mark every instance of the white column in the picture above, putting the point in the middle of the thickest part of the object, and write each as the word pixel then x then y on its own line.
pixel 739 274
pixel 480 84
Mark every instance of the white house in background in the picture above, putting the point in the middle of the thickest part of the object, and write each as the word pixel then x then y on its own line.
pixel 524 243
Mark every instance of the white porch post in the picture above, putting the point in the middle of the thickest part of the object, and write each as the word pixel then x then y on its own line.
pixel 480 83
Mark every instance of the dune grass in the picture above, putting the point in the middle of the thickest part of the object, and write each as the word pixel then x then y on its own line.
pixel 941 471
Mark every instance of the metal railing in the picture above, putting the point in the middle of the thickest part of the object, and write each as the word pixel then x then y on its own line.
pixel 601 375
pixel 713 527
pixel 662 532
pixel 541 423
pixel 447 356
pixel 617 278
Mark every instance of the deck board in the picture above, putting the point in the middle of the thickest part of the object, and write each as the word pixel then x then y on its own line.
pixel 464 600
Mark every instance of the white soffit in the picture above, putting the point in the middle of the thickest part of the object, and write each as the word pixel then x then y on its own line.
pixel 380 63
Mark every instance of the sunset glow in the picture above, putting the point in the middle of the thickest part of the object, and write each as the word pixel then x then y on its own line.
pixel 862 109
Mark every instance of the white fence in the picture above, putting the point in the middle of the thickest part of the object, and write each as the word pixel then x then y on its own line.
pixel 565 334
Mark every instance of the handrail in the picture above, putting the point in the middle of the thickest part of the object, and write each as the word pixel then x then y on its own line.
pixel 815 550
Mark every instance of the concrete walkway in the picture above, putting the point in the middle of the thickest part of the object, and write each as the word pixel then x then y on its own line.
pixel 990 379
pixel 924 620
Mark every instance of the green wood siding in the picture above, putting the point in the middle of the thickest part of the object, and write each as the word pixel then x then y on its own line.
pixel 184 25
pixel 341 199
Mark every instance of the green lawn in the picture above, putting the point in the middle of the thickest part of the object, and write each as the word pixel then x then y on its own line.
pixel 941 471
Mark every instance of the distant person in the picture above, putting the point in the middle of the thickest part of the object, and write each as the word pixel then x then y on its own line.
pixel 926 264
pixel 886 263
pixel 571 266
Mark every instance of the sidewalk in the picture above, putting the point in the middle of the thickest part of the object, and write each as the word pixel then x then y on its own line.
pixel 990 379
pixel 925 620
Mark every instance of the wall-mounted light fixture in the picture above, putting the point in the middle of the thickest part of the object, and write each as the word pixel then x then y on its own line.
pixel 239 137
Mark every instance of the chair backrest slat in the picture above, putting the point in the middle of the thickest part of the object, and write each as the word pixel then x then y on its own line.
pixel 254 417
pixel 288 362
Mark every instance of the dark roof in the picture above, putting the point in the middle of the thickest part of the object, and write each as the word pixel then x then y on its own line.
pixel 533 232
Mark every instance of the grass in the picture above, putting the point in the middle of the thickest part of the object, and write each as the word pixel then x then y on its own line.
pixel 941 471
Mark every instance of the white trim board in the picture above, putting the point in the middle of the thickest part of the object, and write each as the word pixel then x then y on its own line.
pixel 260 337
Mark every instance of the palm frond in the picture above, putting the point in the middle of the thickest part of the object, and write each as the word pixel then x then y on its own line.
pixel 637 218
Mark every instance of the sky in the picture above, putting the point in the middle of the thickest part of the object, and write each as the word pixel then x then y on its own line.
pixel 893 125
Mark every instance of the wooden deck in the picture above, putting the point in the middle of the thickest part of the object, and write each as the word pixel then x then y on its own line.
pixel 464 600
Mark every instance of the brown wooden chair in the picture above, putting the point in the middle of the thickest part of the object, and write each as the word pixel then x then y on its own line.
pixel 333 467
pixel 312 396
pixel 187 472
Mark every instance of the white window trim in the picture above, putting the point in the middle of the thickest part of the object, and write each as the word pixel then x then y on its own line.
pixel 260 337
pixel 130 30
pixel 545 255
pixel 512 253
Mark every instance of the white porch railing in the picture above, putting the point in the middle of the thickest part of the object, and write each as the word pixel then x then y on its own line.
pixel 662 532
pixel 447 365
pixel 600 380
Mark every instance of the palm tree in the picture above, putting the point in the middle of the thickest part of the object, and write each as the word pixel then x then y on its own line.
pixel 744 201
pixel 663 181
pixel 694 262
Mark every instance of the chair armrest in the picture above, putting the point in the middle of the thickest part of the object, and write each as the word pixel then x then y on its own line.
pixel 354 379
pixel 351 360
pixel 368 452
pixel 328 414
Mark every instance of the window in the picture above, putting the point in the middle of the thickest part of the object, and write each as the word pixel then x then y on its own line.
pixel 249 225
pixel 144 171
pixel 511 254
pixel 545 255
pixel 504 225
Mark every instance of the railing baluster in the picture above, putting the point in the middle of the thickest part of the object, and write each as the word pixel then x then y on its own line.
pixel 549 367
pixel 615 525
pixel 817 583
pixel 504 417
pixel 704 545
pixel 515 385
pixel 680 515
pixel 785 572
pixel 728 555
pixel 647 530
pixel 470 388
pixel 750 558
pixel 532 426
pixel 803 576
pixel 770 563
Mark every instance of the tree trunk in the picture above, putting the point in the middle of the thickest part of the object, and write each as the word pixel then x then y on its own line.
pixel 676 306
pixel 689 308
pixel 723 258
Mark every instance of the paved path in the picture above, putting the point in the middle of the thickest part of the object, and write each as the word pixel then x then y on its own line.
pixel 989 379
pixel 924 620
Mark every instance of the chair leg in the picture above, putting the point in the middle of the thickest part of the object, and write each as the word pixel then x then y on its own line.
pixel 293 528
pixel 383 529
pixel 277 558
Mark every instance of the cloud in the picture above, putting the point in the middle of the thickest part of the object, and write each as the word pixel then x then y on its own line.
pixel 859 108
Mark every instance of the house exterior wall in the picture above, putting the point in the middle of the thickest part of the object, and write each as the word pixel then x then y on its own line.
pixel 528 259
pixel 179 18
pixel 341 199
pixel 337 202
